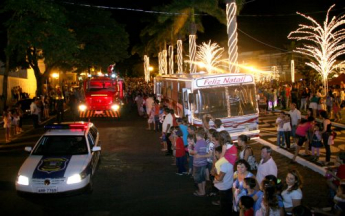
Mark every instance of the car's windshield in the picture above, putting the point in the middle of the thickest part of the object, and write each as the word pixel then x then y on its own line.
pixel 99 85
pixel 224 102
pixel 61 145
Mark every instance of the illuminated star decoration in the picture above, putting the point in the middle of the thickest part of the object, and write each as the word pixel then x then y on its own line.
pixel 325 43
pixel 210 55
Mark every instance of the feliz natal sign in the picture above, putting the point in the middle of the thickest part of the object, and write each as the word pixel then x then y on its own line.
pixel 223 80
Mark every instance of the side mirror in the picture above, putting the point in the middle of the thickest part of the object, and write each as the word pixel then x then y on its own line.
pixel 96 148
pixel 28 149
pixel 191 98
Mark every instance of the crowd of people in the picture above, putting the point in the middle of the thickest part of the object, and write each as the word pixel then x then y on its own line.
pixel 304 97
pixel 54 101
pixel 219 166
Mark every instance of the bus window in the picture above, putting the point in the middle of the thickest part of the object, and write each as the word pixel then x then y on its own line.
pixel 214 101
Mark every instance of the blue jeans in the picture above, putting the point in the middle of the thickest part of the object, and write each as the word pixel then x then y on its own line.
pixel 180 163
pixel 293 131
pixel 280 138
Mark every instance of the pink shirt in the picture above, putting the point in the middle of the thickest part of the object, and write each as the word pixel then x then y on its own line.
pixel 302 129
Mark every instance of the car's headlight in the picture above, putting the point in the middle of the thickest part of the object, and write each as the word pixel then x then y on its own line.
pixel 115 107
pixel 82 107
pixel 74 179
pixel 23 180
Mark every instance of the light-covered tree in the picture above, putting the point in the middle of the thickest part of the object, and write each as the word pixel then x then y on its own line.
pixel 324 43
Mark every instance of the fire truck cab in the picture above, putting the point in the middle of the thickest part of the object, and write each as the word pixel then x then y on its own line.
pixel 103 97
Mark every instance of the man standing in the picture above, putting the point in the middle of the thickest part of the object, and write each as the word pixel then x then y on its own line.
pixel 223 182
pixel 34 112
pixel 295 116
pixel 167 123
pixel 267 166
pixel 59 109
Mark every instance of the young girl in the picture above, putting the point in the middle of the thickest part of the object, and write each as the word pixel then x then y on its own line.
pixel 15 123
pixel 269 204
pixel 7 125
pixel 287 130
pixel 316 143
pixel 229 150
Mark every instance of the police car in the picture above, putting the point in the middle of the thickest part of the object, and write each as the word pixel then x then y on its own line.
pixel 63 160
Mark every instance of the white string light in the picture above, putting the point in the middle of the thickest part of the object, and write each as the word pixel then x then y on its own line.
pixel 171 59
pixel 231 9
pixel 209 54
pixel 192 53
pixel 179 57
pixel 146 68
pixel 325 43
pixel 164 61
pixel 160 70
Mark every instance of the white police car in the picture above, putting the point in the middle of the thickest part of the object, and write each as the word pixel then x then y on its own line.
pixel 63 160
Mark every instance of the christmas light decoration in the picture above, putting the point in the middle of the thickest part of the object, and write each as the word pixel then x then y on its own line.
pixel 231 9
pixel 209 54
pixel 160 70
pixel 171 59
pixel 164 62
pixel 326 43
pixel 146 68
pixel 292 71
pixel 179 57
pixel 192 53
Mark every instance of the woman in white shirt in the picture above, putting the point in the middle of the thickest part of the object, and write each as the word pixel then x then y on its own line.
pixel 292 195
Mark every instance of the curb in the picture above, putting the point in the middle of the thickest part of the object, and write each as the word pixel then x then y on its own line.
pixel 299 160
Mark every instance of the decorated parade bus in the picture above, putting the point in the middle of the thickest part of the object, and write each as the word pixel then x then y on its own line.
pixel 103 97
pixel 228 97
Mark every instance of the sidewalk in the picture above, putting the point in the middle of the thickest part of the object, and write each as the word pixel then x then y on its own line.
pixel 27 128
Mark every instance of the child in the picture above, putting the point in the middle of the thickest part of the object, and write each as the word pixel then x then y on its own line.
pixel 280 129
pixel 7 125
pixel 316 143
pixel 246 206
pixel 180 153
pixel 191 144
pixel 229 150
pixel 287 130
pixel 15 122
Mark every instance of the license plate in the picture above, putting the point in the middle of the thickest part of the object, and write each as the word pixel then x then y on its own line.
pixel 98 112
pixel 47 190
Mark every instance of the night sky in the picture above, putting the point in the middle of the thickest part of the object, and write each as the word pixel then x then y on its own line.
pixel 268 21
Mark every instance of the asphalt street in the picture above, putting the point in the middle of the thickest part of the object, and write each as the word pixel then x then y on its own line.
pixel 134 176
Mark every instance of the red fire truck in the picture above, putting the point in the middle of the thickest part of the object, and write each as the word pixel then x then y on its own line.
pixel 103 97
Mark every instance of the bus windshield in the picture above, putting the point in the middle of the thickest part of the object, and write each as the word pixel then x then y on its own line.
pixel 229 101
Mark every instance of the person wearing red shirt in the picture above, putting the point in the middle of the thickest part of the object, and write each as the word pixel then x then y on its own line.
pixel 246 206
pixel 180 154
